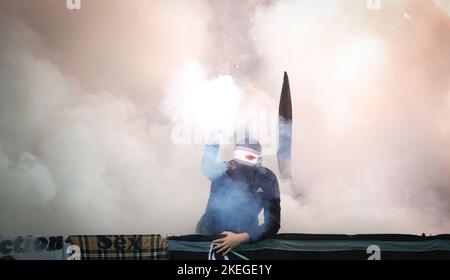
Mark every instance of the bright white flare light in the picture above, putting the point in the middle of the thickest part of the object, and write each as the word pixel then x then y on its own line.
pixel 205 104
pixel 213 103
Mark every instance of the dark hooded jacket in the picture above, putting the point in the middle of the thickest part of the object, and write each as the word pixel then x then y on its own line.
pixel 238 194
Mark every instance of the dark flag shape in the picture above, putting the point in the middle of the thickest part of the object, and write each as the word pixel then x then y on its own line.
pixel 285 136
pixel 285 130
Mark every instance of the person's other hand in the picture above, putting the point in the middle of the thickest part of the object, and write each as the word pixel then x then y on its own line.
pixel 230 241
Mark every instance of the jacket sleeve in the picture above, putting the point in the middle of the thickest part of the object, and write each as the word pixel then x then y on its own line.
pixel 272 215
pixel 211 168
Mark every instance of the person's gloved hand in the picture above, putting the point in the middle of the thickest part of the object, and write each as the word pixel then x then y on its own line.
pixel 215 137
pixel 230 241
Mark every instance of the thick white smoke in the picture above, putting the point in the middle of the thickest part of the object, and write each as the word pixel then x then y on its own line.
pixel 371 122
pixel 86 148
pixel 77 156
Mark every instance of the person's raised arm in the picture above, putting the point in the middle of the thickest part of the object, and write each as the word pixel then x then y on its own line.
pixel 211 168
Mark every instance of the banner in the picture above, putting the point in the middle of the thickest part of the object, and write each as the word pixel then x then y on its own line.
pixel 29 247
pixel 119 247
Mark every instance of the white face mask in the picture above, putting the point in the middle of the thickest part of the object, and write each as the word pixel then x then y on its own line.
pixel 246 157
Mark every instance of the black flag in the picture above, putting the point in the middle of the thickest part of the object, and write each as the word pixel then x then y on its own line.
pixel 285 136
pixel 285 130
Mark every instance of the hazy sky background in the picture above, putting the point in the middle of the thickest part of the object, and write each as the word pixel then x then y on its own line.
pixel 86 100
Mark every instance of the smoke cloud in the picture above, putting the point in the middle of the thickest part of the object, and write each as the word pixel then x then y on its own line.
pixel 86 103
pixel 371 118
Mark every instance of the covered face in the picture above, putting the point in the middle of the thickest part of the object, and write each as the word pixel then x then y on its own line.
pixel 248 154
